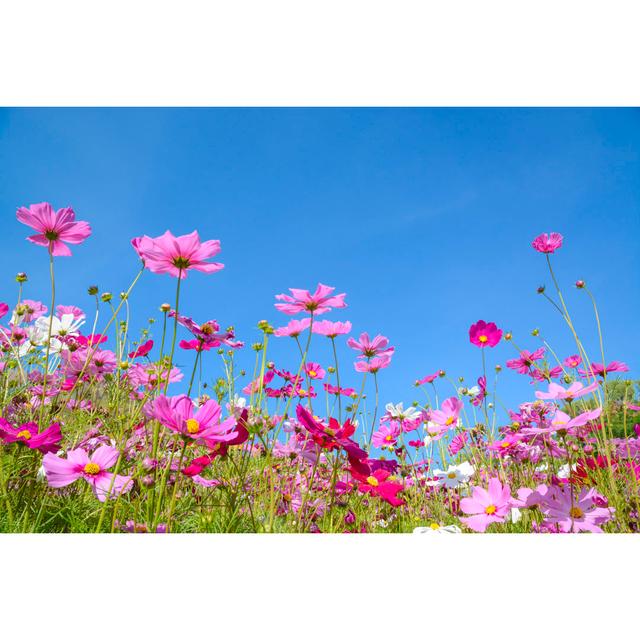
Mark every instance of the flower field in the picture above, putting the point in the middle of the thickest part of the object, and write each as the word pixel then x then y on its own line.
pixel 101 432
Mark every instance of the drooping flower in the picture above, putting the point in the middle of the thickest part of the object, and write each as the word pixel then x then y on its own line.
pixel 143 350
pixel 598 369
pixel 331 329
pixel 374 365
pixel 302 301
pixel 176 255
pixel 547 242
pixel 573 391
pixel 427 379
pixel 204 425
pixel 55 228
pixel 484 334
pixel 45 441
pixel 294 328
pixel 371 348
pixel 485 507
pixel 4 309
pixel 61 472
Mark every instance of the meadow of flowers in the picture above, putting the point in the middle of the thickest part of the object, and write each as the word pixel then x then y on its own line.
pixel 95 439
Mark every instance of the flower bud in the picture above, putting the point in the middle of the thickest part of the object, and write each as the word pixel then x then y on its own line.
pixel 580 284
pixel 165 307
pixel 541 288
pixel 508 336
pixel 442 373
pixel 106 297
pixel 535 332
pixel 21 277
pixel 93 290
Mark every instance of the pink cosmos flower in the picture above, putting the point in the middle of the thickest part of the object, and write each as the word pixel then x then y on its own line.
pixel 448 414
pixel 208 332
pixel 61 472
pixel 374 365
pixel 27 434
pixel 314 371
pixel 386 435
pixel 598 369
pixel 562 421
pixel 486 506
pixel 458 443
pixel 484 334
pixel 152 376
pixel 203 426
pixel 524 363
pixel 572 362
pixel 371 348
pixel 426 379
pixel 315 303
pixel 4 309
pixel 176 255
pixel 544 374
pixel 331 329
pixel 582 513
pixel 345 391
pixel 76 312
pixel 294 328
pixel 142 350
pixel 195 345
pixel 28 310
pixel 547 242
pixel 478 399
pixel 91 340
pixel 54 228
pixel 573 391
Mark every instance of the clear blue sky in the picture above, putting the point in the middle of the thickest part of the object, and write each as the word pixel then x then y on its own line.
pixel 424 217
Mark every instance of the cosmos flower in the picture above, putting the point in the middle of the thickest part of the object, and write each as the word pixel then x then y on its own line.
pixel 484 334
pixel 61 472
pixel 314 371
pixel 45 441
pixel 302 301
pixel 454 476
pixel 485 507
pixel 524 363
pixel 572 362
pixel 176 255
pixel 547 242
pixel 28 310
pixel 598 369
pixel 377 483
pixel 478 398
pixel 331 329
pixel 371 348
pixel 143 350
pixel 386 436
pixel 573 513
pixel 573 391
pixel 427 379
pixel 67 325
pixel 55 228
pixel 438 528
pixel 294 328
pixel 448 414
pixel 374 365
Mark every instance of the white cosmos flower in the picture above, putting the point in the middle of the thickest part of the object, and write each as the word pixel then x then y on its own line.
pixel 398 412
pixel 474 391
pixel 515 515
pixel 563 471
pixel 437 528
pixel 67 325
pixel 454 476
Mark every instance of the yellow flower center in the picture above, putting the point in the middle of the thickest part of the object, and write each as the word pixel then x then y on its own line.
pixel 576 512
pixel 451 475
pixel 450 420
pixel 483 339
pixel 373 481
pixel 490 510
pixel 389 438
pixel 434 525
pixel 193 426
pixel 504 444
pixel 24 434
pixel 91 468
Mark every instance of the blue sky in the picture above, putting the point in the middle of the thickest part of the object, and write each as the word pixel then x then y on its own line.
pixel 424 217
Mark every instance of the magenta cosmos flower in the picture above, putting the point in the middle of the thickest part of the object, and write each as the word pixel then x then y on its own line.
pixel 204 425
pixel 369 348
pixel 315 303
pixel 55 228
pixel 547 242
pixel 387 435
pixel 524 363
pixel 27 434
pixel 598 369
pixel 484 334
pixel 176 255
pixel 486 506
pixel 61 472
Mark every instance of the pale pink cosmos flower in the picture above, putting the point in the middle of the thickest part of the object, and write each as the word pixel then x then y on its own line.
pixel 448 414
pixel 547 242
pixel 573 513
pixel 331 329
pixel 314 371
pixel 370 348
pixel 374 365
pixel 28 310
pixel 315 303
pixel 294 328
pixel 55 228
pixel 76 312
pixel 562 421
pixel 485 507
pixel 61 472
pixel 176 255
pixel 558 392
